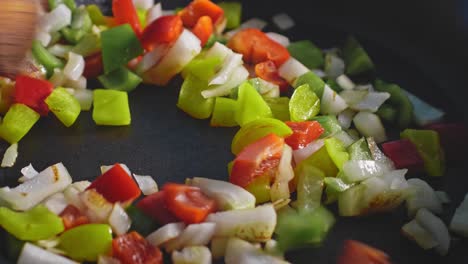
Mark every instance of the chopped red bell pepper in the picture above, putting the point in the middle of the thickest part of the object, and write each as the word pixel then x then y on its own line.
pixel 188 203
pixel 32 92
pixel 203 29
pixel 355 252
pixel 257 47
pixel 303 133
pixel 198 8
pixel 454 139
pixel 164 30
pixel 154 205
pixel 116 185
pixel 125 13
pixel 72 217
pixel 257 159
pixel 93 66
pixel 404 154
pixel 268 71
pixel 132 248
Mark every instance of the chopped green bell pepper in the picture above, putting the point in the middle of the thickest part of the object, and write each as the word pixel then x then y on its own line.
pixel 44 57
pixel 80 25
pixel 251 105
pixel 337 184
pixel 337 151
pixel 304 104
pixel 321 160
pixel 191 101
pixel 334 85
pixel 356 59
pixel 119 46
pixel 329 123
pixel 120 79
pixel 17 122
pixel 260 188
pixel 309 187
pixel 88 45
pixel 111 108
pixel 399 100
pixel 387 113
pixel 141 17
pixel 307 53
pixel 232 12
pixel 279 107
pixel 359 150
pixel 428 144
pixel 36 224
pixel 64 105
pixel 257 129
pixel 223 112
pixel 141 223
pixel 315 83
pixel 202 68
pixel 69 3
pixel 86 242
pixel 96 15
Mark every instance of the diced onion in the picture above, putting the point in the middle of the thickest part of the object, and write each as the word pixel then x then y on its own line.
pixel 443 197
pixel 56 203
pixel 307 151
pixel 230 64
pixel 353 97
pixel 227 195
pixel 358 170
pixel 335 66
pixel 218 246
pixel 58 78
pixel 319 73
pixel 459 223
pixel 107 260
pixel 369 125
pixel 331 103
pixel 238 76
pixel 254 23
pixel 197 254
pixel 79 84
pixel 422 196
pixel 283 21
pixel 218 51
pixel 422 237
pixel 9 158
pixel 119 220
pixel 60 50
pixel 193 235
pixel 240 251
pixel 292 69
pixel 345 82
pixel 146 183
pixel 73 191
pixel 371 102
pixel 154 13
pixel 255 225
pixel 345 138
pixel 165 234
pixel 281 39
pixel 436 227
pixel 377 154
pixel 345 118
pixel 57 19
pixel 74 67
pixel 285 173
pixel 98 208
pixel 152 58
pixel 365 87
pixel 34 254
pixel 29 172
pixel 85 98
pixel 143 4
pixel 43 37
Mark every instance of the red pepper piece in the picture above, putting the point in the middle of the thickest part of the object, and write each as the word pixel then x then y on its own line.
pixel 132 248
pixel 164 30
pixel 203 29
pixel 32 92
pixel 198 8
pixel 93 66
pixel 72 217
pixel 303 133
pixel 268 71
pixel 404 154
pixel 154 205
pixel 125 13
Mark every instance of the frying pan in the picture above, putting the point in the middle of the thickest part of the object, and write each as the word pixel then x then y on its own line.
pixel 419 47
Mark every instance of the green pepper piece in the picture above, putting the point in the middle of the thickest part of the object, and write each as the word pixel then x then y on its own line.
pixel 141 17
pixel 315 83
pixel 279 107
pixel 44 57
pixel 54 38
pixel 223 112
pixel 260 188
pixel 251 105
pixel 428 144
pixel 359 150
pixel 69 3
pixel 72 35
pixel 111 108
pixel 232 12
pixel 356 58
pixel 64 105
pixel 11 246
pixel 86 242
pixel 202 68
pixel 80 25
pixel 304 104
pixel 120 79
pixel 337 184
pixel 350 202
pixel 257 129
pixel 191 101
pixel 17 122
pixel 337 151
pixel 303 228
pixel 141 223
pixel 329 123
pixel 88 45
pixel 119 46
pixel 387 113
pixel 96 15
pixel 398 99
pixel 322 161
pixel 309 186
pixel 36 224
pixel 334 85
pixel 213 39
pixel 307 53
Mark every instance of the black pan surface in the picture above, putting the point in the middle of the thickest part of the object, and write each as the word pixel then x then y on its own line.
pixel 423 57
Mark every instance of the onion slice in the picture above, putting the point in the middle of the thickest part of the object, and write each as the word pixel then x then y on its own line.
pixel 119 220
pixel 331 102
pixel 436 227
pixel 193 235
pixel 56 203
pixel 421 236
pixel 283 21
pixel 238 76
pixel 57 19
pixel 422 196
pixel 154 13
pixel 281 39
pixel 74 67
pixel 291 70
pixel 34 254
pixel 345 82
pixel 307 151
pixel 165 233
pixel 280 188
pixel 459 223
pixel 197 254
pixel 9 158
pixel 147 184
pixel 369 125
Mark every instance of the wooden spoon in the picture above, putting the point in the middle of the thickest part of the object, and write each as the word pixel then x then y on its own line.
pixel 18 21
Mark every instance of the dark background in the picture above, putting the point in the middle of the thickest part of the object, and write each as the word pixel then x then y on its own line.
pixel 420 45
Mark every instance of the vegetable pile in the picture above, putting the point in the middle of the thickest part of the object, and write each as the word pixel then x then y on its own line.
pixel 309 137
